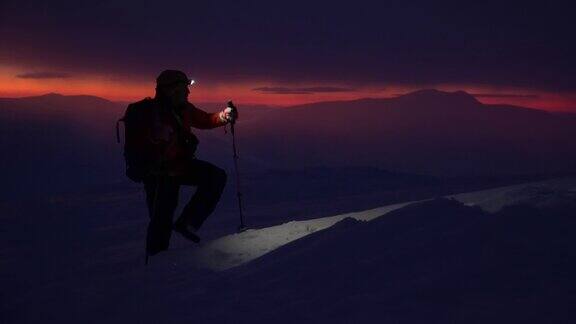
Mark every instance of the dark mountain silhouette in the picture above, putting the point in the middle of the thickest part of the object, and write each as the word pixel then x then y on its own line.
pixel 428 131
pixel 52 140
pixel 53 143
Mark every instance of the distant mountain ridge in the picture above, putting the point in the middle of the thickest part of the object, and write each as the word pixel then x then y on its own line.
pixel 58 99
pixel 428 132
pixel 433 95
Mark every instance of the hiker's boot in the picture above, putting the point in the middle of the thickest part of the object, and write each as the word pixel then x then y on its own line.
pixel 188 231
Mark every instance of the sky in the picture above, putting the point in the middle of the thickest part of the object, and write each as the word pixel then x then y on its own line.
pixel 291 52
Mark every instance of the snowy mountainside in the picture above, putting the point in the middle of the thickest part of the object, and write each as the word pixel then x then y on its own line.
pixel 236 249
pixel 433 261
pixel 494 256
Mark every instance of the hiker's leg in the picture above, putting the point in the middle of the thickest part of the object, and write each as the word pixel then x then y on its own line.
pixel 210 181
pixel 162 200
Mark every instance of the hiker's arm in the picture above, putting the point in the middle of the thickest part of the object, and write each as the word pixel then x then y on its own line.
pixel 204 120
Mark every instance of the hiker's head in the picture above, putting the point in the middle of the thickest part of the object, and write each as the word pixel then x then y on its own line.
pixel 173 85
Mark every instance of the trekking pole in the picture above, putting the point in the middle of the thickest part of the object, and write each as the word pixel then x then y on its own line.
pixel 242 226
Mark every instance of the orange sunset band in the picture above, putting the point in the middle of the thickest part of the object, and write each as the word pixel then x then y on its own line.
pixel 11 85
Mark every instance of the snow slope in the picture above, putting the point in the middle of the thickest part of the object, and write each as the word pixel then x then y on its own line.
pixel 436 261
pixel 235 249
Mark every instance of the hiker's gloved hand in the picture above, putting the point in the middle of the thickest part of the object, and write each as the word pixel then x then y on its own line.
pixel 229 114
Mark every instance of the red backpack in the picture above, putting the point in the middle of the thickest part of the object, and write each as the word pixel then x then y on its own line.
pixel 141 155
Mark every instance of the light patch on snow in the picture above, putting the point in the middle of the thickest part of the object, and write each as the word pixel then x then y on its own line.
pixel 492 200
pixel 235 249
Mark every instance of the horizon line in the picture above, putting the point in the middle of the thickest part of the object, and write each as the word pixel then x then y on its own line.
pixel 392 96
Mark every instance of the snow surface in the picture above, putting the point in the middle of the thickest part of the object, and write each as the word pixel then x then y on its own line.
pixel 354 267
pixel 538 193
pixel 236 249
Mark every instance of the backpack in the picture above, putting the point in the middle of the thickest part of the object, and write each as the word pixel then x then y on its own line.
pixel 141 156
pixel 144 157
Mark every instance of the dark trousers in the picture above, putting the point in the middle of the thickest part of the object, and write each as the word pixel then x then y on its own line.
pixel 162 199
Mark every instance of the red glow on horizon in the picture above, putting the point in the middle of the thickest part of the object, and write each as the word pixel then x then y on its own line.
pixel 116 90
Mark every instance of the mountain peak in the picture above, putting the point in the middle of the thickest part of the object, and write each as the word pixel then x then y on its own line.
pixel 60 98
pixel 426 97
pixel 434 93
pixel 45 96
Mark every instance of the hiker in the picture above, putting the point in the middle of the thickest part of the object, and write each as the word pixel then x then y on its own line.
pixel 162 157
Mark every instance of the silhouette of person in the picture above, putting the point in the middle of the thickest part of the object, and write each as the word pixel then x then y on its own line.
pixel 171 139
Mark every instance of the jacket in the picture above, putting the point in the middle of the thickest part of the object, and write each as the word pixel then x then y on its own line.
pixel 171 134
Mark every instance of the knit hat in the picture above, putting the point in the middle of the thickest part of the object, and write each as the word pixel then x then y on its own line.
pixel 171 77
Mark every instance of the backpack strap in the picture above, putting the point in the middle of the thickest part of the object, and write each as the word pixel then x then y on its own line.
pixel 118 129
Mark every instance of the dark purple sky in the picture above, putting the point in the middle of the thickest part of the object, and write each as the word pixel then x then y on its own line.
pixel 352 44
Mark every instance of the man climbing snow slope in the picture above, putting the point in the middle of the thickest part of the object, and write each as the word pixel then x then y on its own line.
pixel 159 151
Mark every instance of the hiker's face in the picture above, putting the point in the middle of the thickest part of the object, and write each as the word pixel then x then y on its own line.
pixel 179 94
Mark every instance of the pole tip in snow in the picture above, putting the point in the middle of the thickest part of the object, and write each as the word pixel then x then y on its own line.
pixel 242 228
